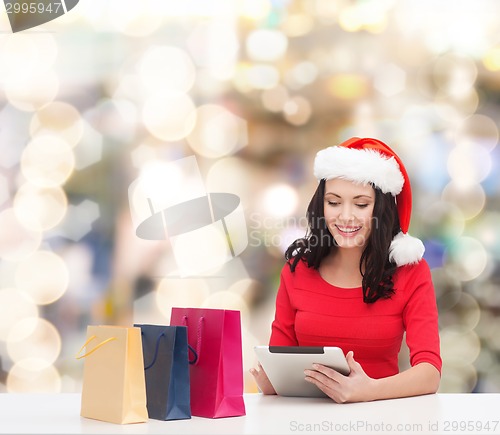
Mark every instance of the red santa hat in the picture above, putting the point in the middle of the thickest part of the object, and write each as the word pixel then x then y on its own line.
pixel 366 160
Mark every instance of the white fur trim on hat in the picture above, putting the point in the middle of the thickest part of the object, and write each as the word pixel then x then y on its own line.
pixel 359 165
pixel 406 249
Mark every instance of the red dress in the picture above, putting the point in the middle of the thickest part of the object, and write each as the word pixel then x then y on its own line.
pixel 312 312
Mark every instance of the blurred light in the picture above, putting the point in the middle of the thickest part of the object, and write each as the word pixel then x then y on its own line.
pixel 32 93
pixel 288 236
pixel 14 138
pixel 390 80
pixel 366 15
pixel 469 164
pixel 325 11
pixel 163 69
pixel 195 8
pixel 262 76
pixel 16 241
pixel 195 259
pixel 89 149
pixel 223 48
pixel 116 118
pixel 14 307
pixel 298 25
pixel 169 116
pixel 491 59
pixel 297 110
pixel 17 55
pixel 4 190
pixel 94 15
pixel 47 161
pixel 266 45
pixel 302 74
pixel 180 292
pixel 34 338
pixel 468 312
pixel 33 375
pixel 243 287
pixel 469 199
pixel 480 130
pixel 486 229
pixel 157 176
pixel 134 18
pixel 466 258
pixel 455 110
pixel 274 99
pixel 280 200
pixel 24 56
pixel 60 119
pixel 459 347
pixel 443 220
pixel 231 174
pixel 416 125
pixel 458 379
pixel 217 132
pixel 40 209
pixel 429 173
pixel 348 86
pixel 163 184
pixel 143 153
pixel 448 289
pixel 486 361
pixel 79 219
pixel 455 75
pixel 43 277
pixel 254 9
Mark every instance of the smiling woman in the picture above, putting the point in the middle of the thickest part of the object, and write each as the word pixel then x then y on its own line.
pixel 358 281
pixel 348 212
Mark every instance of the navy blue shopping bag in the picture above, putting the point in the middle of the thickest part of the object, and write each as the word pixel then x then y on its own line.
pixel 166 368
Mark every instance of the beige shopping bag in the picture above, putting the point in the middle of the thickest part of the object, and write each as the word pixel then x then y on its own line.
pixel 114 387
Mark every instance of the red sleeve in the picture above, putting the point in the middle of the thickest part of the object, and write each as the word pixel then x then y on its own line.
pixel 420 317
pixel 283 329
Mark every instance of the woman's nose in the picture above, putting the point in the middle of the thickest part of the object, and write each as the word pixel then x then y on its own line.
pixel 346 212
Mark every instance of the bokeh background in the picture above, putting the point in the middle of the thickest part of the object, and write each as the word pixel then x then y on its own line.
pixel 118 90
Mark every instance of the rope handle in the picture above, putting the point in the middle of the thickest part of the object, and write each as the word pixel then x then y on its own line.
pixel 195 355
pixel 156 350
pixel 78 356
pixel 193 361
pixel 199 333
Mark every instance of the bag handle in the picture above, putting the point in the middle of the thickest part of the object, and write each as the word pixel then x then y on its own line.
pixel 199 333
pixel 195 355
pixel 78 356
pixel 195 359
pixel 156 350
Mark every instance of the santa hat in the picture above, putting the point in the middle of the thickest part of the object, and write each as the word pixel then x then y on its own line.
pixel 372 161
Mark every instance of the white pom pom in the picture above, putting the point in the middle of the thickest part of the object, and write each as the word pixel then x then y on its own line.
pixel 406 249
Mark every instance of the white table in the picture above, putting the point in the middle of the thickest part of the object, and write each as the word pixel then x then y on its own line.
pixel 433 414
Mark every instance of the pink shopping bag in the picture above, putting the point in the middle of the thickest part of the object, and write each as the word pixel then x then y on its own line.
pixel 216 378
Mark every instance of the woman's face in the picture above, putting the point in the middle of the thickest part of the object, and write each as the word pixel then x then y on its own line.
pixel 348 209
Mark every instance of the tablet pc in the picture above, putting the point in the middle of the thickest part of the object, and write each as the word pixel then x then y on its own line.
pixel 285 365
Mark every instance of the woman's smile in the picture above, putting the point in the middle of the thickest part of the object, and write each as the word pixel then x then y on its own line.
pixel 348 231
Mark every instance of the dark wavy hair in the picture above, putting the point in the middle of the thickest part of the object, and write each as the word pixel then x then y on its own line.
pixel 375 267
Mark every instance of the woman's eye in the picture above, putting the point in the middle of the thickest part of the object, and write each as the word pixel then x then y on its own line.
pixel 362 205
pixel 333 203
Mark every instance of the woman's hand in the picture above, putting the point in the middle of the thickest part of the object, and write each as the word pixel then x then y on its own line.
pixel 262 380
pixel 357 387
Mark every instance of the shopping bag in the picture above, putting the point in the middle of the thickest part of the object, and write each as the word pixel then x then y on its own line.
pixel 166 366
pixel 114 389
pixel 217 375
